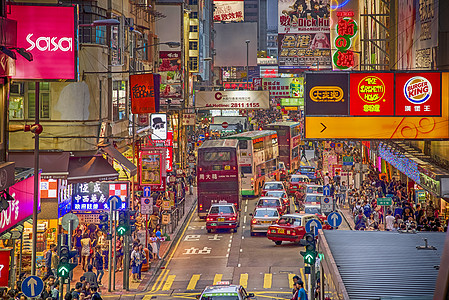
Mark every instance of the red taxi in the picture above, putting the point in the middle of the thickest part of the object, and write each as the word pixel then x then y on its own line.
pixel 291 227
pixel 272 186
pixel 222 216
pixel 272 202
pixel 296 181
pixel 282 195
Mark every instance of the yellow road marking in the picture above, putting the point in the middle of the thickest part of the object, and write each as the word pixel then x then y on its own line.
pixel 290 280
pixel 153 288
pixel 193 281
pixel 168 283
pixel 162 280
pixel 303 276
pixel 217 278
pixel 244 280
pixel 267 280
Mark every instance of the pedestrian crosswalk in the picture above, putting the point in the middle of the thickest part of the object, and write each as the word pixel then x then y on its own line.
pixel 257 281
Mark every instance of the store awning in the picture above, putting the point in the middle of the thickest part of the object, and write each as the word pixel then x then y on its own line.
pixel 112 152
pixel 90 168
pixel 53 164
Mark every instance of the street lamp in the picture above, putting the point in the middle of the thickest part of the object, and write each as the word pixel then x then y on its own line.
pixel 105 22
pixel 247 63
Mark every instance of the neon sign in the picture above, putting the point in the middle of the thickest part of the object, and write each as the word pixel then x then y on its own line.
pixel 347 29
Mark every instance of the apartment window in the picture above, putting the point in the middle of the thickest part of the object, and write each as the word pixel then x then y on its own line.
pixel 193 2
pixel 92 35
pixel 116 43
pixel 44 99
pixel 193 63
pixel 17 101
pixel 194 15
pixel 193 28
pixel 119 99
pixel 193 45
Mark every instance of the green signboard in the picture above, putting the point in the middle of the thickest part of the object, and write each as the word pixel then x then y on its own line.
pixel 292 101
pixel 387 201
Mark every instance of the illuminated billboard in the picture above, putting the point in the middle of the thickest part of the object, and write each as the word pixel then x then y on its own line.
pixel 427 91
pixel 49 34
pixel 232 100
pixel 228 10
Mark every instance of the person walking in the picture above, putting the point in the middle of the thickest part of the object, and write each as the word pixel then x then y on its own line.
pixel 85 250
pixel 48 257
pixel 90 276
pixel 302 295
pixel 99 264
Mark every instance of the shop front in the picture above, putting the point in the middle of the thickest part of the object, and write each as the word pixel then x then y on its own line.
pixel 436 182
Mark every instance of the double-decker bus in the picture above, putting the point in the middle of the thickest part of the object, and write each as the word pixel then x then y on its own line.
pixel 258 159
pixel 218 177
pixel 289 138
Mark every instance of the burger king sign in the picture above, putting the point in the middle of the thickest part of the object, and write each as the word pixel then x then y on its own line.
pixel 418 94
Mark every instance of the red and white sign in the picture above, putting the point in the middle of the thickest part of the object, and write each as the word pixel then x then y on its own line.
pixel 118 189
pixel 418 94
pixel 21 207
pixel 228 10
pixel 48 32
pixel 224 125
pixel 4 267
pixel 49 188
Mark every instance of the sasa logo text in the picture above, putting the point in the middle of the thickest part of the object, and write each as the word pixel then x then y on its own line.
pixel 46 43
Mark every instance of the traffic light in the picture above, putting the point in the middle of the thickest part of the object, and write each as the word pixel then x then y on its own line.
pixel 104 222
pixel 239 128
pixel 132 220
pixel 310 254
pixel 123 226
pixel 64 266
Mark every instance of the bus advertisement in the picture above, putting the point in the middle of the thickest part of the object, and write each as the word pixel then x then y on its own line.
pixel 289 138
pixel 258 159
pixel 218 175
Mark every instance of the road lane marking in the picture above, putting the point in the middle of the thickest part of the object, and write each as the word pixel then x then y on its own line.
pixel 241 250
pixel 246 208
pixel 243 237
pixel 302 275
pixel 244 280
pixel 227 255
pixel 267 280
pixel 162 280
pixel 246 201
pixel 243 226
pixel 244 219
pixel 229 245
pixel 217 278
pixel 193 281
pixel 290 280
pixel 169 282
pixel 239 265
pixel 153 288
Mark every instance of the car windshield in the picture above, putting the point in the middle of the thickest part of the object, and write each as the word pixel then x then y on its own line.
pixel 314 190
pixel 273 186
pixel 225 209
pixel 312 210
pixel 269 202
pixel 267 213
pixel 275 194
pixel 290 220
pixel 298 179
pixel 306 169
pixel 219 297
pixel 312 198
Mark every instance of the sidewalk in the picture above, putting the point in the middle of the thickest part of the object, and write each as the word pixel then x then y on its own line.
pixel 155 265
pixel 347 215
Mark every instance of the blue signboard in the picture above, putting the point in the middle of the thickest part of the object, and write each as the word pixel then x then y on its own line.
pixel 147 191
pixel 94 195
pixel 326 190
pixel 313 223
pixel 32 286
pixel 202 137
pixel 334 219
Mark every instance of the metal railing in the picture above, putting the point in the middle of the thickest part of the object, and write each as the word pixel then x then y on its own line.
pixel 175 216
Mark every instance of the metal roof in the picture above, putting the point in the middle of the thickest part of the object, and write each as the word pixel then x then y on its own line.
pixel 386 265
pixel 219 144
pixel 284 123
pixel 251 135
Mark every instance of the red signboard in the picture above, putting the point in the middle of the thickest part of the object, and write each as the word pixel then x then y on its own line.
pixel 21 207
pixel 145 89
pixel 372 94
pixel 418 94
pixel 48 33
pixel 4 267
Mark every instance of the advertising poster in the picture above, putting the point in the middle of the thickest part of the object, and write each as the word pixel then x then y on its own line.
pixel 345 35
pixel 95 195
pixel 372 94
pixel 305 50
pixel 5 255
pixel 327 94
pixel 417 34
pixel 144 93
pixel 228 10
pixel 284 87
pixel 159 126
pixel 171 75
pixel 170 61
pixel 232 100
pixel 152 170
pixel 303 16
pixel 49 34
pixel 418 94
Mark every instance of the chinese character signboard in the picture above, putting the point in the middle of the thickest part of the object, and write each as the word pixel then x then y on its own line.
pixel 417 33
pixel 303 16
pixel 166 145
pixel 232 100
pixel 21 207
pixel 144 93
pixel 284 87
pixel 418 94
pixel 228 11
pixel 5 255
pixel 327 94
pixel 345 35
pixel 94 195
pixel 152 169
pixel 372 94
pixel 49 34
pixel 170 61
pixel 292 101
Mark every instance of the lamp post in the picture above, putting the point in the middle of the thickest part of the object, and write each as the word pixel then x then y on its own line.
pixel 247 64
